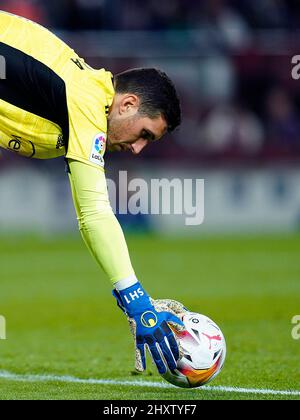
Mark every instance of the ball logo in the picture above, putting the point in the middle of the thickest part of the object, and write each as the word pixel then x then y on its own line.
pixel 212 337
pixel 149 319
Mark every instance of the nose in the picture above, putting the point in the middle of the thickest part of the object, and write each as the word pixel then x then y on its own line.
pixel 138 146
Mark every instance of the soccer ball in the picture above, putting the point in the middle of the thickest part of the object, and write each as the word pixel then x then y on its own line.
pixel 204 351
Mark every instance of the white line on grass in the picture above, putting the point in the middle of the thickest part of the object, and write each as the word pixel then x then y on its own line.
pixel 70 379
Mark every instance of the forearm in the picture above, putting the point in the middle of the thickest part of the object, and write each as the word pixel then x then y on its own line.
pixel 104 237
pixel 99 227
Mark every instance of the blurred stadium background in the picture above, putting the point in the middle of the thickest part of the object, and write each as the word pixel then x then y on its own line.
pixel 231 62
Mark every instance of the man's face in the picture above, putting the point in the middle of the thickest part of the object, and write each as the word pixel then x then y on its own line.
pixel 130 131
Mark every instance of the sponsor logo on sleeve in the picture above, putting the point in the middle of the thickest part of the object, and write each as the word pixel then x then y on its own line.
pixel 98 149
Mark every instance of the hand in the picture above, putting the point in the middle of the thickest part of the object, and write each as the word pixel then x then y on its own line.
pixel 150 322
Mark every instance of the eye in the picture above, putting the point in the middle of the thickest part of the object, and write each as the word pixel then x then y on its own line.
pixel 147 135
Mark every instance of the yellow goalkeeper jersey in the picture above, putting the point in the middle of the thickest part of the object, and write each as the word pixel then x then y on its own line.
pixel 51 102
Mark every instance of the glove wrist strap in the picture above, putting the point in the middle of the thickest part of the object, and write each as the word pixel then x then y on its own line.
pixel 126 282
pixel 134 299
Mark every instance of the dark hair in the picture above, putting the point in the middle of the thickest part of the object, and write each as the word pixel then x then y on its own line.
pixel 156 92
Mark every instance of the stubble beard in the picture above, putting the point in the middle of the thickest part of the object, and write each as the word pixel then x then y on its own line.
pixel 115 132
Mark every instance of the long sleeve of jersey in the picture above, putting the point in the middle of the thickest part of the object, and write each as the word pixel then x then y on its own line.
pixel 98 225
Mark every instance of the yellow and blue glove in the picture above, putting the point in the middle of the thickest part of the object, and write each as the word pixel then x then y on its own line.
pixel 150 327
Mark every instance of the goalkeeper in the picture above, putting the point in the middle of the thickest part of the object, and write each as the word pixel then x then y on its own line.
pixel 53 104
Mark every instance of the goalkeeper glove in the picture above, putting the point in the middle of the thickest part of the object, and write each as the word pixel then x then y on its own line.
pixel 150 327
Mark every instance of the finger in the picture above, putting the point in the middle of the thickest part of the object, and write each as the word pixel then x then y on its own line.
pixel 173 346
pixel 160 335
pixel 171 362
pixel 174 319
pixel 156 356
pixel 167 332
pixel 140 362
pixel 140 359
pixel 176 328
pixel 171 340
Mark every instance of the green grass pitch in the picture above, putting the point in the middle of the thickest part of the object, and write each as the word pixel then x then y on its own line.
pixel 62 319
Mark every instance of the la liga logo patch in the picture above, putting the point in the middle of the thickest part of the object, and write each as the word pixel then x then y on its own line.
pixel 98 149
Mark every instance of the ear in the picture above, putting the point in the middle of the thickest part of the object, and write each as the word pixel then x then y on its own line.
pixel 129 104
